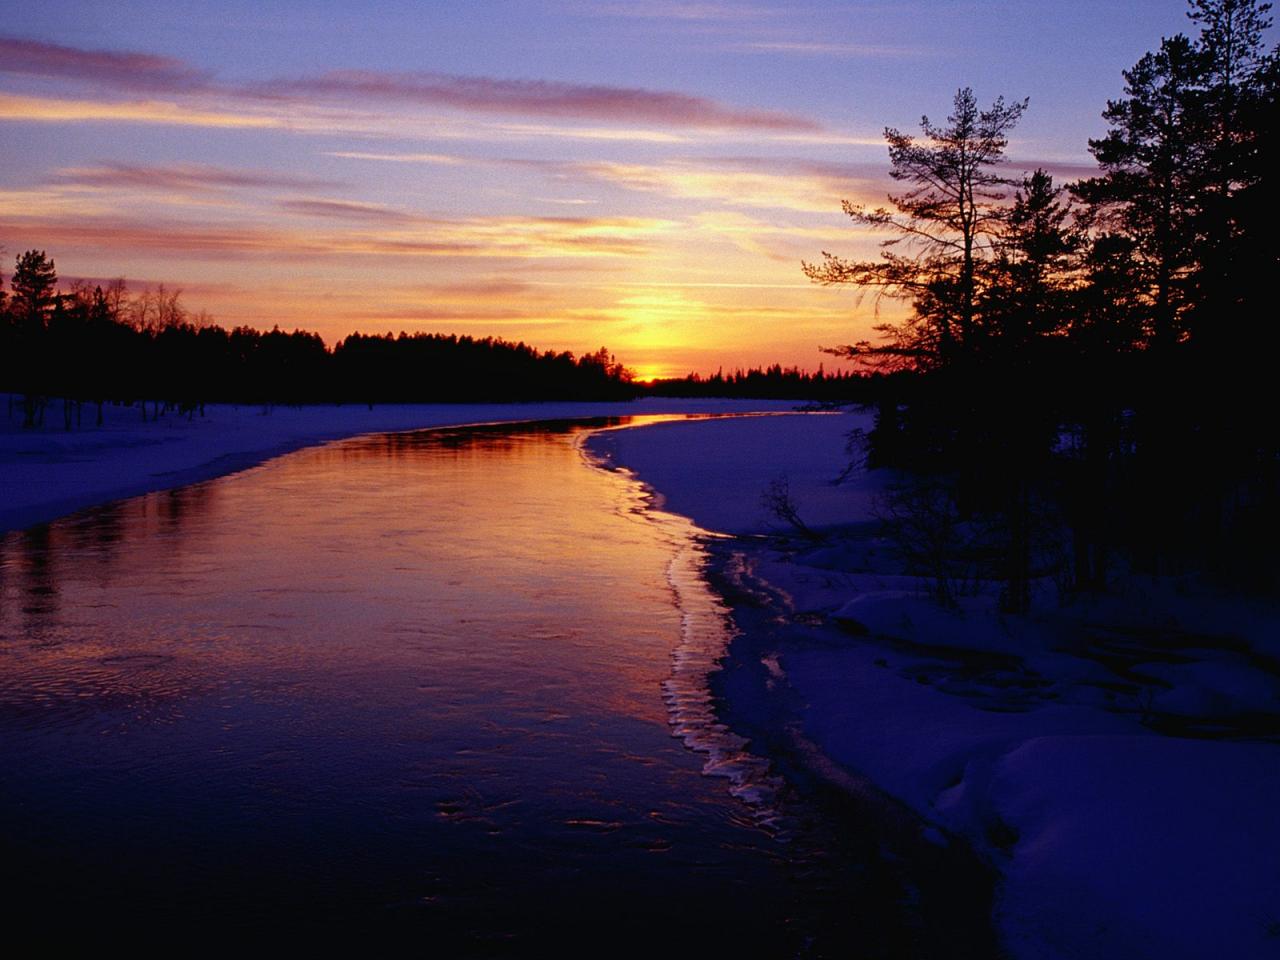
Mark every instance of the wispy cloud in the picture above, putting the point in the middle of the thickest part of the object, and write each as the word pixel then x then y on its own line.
pixel 195 97
pixel 182 177
pixel 792 184
pixel 308 118
pixel 479 237
pixel 1063 171
pixel 347 210
pixel 540 131
pixel 677 10
pixel 783 183
pixel 439 159
pixel 58 110
pixel 750 182
pixel 539 98
pixel 569 201
pixel 782 243
pixel 815 48
pixel 119 68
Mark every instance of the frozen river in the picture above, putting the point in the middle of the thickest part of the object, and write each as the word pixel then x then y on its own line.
pixel 401 684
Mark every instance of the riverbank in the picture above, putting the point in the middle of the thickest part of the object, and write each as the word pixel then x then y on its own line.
pixel 48 472
pixel 1116 761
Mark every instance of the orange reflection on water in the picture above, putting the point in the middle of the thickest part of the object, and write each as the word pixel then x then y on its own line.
pixel 429 553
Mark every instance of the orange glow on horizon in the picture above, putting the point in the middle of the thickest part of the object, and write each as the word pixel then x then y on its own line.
pixel 542 213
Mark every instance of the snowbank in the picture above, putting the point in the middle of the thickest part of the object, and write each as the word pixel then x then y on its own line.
pixel 49 472
pixel 716 473
pixel 1055 744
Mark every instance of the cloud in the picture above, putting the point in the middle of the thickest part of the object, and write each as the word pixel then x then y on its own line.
pixel 781 243
pixel 56 110
pixel 791 184
pixel 568 201
pixel 689 11
pixel 506 131
pixel 1062 171
pixel 301 117
pixel 194 98
pixel 539 98
pixel 826 49
pixel 490 316
pixel 124 69
pixel 751 182
pixel 181 177
pixel 514 238
pixel 499 288
pixel 347 210
pixel 439 159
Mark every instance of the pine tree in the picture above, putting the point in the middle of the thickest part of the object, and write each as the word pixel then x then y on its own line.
pixel 34 283
pixel 945 227
pixel 1152 161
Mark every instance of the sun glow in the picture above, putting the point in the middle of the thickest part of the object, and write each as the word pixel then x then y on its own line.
pixel 665 224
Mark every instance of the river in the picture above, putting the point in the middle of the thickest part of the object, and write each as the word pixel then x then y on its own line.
pixel 418 684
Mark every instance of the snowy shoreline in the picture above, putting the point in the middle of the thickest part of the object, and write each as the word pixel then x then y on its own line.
pixel 1057 745
pixel 50 472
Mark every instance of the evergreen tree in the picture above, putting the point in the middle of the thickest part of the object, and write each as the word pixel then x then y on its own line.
pixel 1032 281
pixel 1152 163
pixel 34 282
pixel 1234 64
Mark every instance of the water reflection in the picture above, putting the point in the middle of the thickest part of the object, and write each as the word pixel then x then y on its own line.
pixel 401 684
pixel 414 676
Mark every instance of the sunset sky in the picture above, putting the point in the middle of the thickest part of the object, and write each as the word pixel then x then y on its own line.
pixel 644 175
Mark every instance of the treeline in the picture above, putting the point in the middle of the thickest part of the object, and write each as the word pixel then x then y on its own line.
pixel 1090 382
pixel 96 345
pixel 774 382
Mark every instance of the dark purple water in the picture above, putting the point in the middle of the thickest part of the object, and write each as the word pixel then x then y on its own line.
pixel 405 686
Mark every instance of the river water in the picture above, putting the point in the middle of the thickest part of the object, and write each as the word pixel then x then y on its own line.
pixel 415 684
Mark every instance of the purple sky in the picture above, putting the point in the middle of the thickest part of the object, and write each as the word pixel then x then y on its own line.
pixel 642 175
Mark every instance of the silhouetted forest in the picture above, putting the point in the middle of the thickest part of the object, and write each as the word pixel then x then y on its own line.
pixel 1090 376
pixel 97 345
pixel 776 383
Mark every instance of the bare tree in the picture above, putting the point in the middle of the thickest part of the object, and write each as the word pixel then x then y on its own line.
pixel 160 309
pixel 777 501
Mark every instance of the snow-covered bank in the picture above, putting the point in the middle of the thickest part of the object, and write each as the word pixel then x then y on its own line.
pixel 717 476
pixel 49 472
pixel 1057 745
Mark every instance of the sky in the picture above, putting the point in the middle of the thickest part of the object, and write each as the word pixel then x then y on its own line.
pixel 647 176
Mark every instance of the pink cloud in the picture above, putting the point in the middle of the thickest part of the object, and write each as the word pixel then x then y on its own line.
pixel 182 176
pixel 540 98
pixel 493 237
pixel 128 69
pixel 347 210
pixel 136 71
